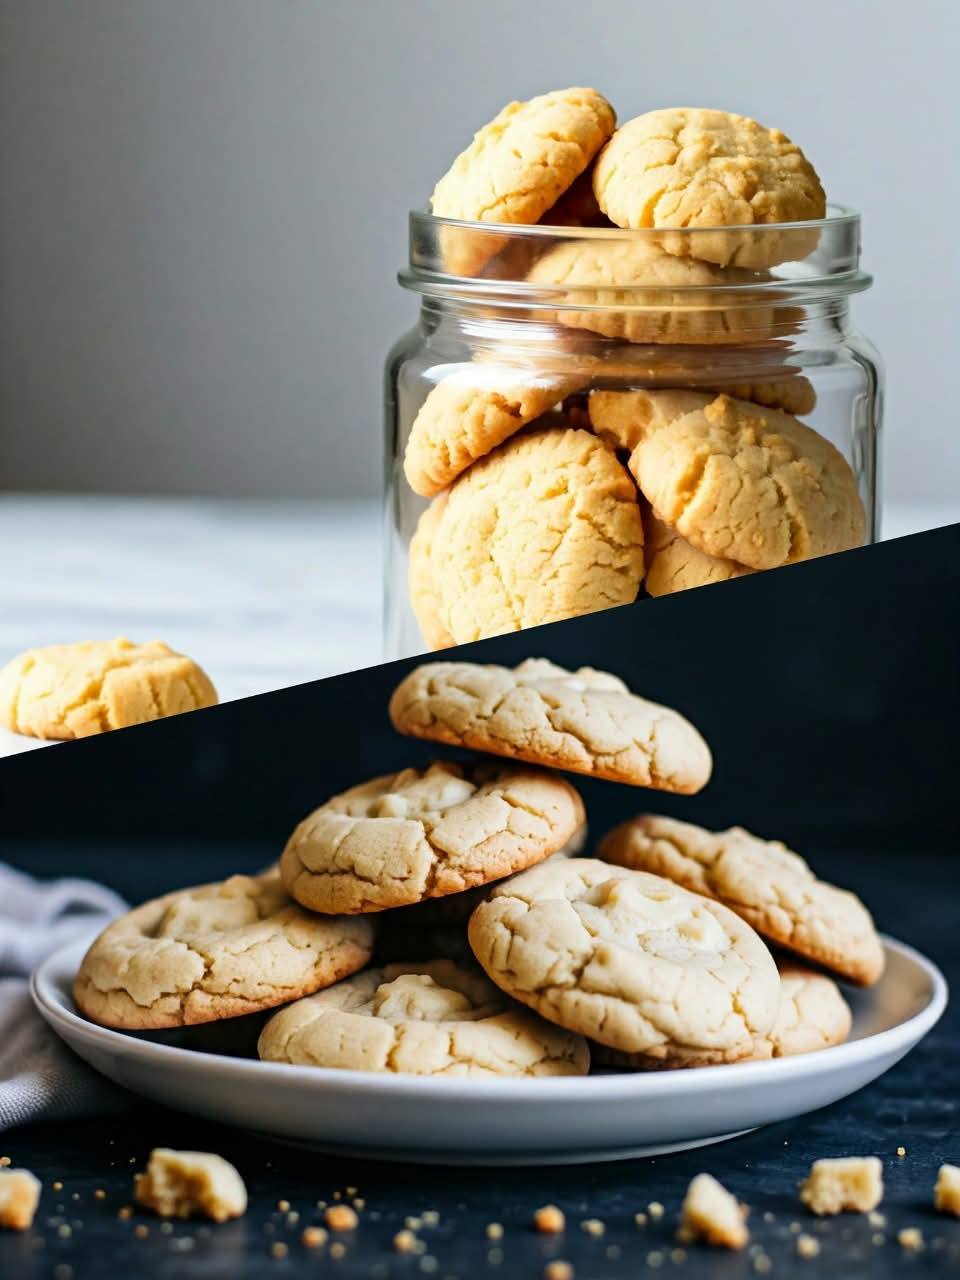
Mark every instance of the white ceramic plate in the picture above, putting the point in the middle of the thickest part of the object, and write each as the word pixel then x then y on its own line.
pixel 601 1117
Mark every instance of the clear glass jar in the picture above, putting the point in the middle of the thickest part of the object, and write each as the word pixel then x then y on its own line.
pixel 586 415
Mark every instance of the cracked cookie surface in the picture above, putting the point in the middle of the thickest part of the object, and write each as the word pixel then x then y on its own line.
pixel 763 881
pixel 690 167
pixel 546 527
pixel 630 960
pixel 813 1014
pixel 424 600
pixel 750 484
pixel 434 1019
pixel 674 564
pixel 585 721
pixel 216 951
pixel 76 690
pixel 421 834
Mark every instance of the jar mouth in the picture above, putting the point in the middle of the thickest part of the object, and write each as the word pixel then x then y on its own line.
pixel 591 267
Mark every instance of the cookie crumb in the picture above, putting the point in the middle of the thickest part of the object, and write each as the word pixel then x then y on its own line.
pixel 876 1219
pixel 283 1206
pixel 655 1209
pixel 313 1237
pixel 430 1217
pixel 494 1231
pixel 549 1219
pixel 352 1191
pixel 141 1231
pixel 99 1194
pixel 359 1202
pixel 57 1186
pixel 414 1224
pixel 640 1219
pixel 946 1192
pixel 910 1238
pixel 901 1152
pixel 5 1162
pixel 709 1212
pixel 19 1197
pixel 340 1217
pixel 851 1184
pixel 558 1270
pixel 762 1264
pixel 337 1250
pixel 807 1246
pixel 405 1242
pixel 278 1249
pixel 64 1231
pixel 293 1218
pixel 655 1259
pixel 593 1227
pixel 181 1184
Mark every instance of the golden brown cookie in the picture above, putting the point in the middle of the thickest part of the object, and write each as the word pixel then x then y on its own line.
pixel 217 951
pixel 423 834
pixel 673 564
pixel 433 1019
pixel 763 881
pixel 545 527
pixel 76 690
pixel 423 592
pixel 630 960
pixel 474 409
pixel 750 484
pixel 577 206
pixel 690 167
pixel 813 1014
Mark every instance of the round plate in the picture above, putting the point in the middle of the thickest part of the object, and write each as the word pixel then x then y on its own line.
pixel 608 1116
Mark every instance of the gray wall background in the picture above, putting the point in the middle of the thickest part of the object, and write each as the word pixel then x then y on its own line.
pixel 203 207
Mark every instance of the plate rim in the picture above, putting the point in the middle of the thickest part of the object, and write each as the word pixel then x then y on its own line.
pixel 612 1087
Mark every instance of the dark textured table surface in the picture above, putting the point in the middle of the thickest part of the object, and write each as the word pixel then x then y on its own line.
pixel 79 1232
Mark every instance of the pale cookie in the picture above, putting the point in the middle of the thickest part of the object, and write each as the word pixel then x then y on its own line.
pixel 517 167
pixel 474 409
pixel 19 1197
pixel 850 1184
pixel 423 592
pixel 424 834
pixel 546 527
pixel 584 721
pixel 689 167
pixel 633 291
pixel 763 881
pixel 630 960
pixel 946 1192
pixel 435 1019
pixel 190 1184
pixel 673 564
pixel 710 1213
pixel 750 484
pixel 813 1014
pixel 76 690
pixel 214 952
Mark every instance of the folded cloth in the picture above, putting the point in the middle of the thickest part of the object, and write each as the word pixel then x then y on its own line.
pixel 40 1078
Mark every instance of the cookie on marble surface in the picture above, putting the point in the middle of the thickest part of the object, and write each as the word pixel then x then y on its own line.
pixel 77 690
pixel 418 834
pixel 435 1019
pixel 630 960
pixel 690 167
pixel 763 881
pixel 750 484
pixel 585 721
pixel 216 951
pixel 545 527
pixel 424 600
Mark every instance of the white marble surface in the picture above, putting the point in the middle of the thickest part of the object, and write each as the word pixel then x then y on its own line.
pixel 261 594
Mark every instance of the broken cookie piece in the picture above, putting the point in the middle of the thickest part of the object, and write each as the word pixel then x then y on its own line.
pixel 19 1196
pixel 851 1184
pixel 187 1184
pixel 709 1212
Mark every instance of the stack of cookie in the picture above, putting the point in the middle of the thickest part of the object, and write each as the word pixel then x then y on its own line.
pixel 652 434
pixel 501 951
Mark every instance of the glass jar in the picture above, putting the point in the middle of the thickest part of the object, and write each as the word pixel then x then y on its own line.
pixel 587 415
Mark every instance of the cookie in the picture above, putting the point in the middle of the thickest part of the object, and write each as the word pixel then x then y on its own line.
pixel 673 564
pixel 216 951
pixel 19 1197
pixel 630 960
pixel 633 291
pixel 517 167
pixel 76 690
pixel 710 1213
pixel 750 484
pixel 584 721
pixel 190 1184
pixel 813 1014
pixel 474 409
pixel 546 527
pixel 689 167
pixel 435 1019
pixel 577 207
pixel 421 834
pixel 763 881
pixel 420 583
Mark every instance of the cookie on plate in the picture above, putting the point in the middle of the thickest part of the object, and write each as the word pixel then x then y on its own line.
pixel 813 1014
pixel 419 834
pixel 690 167
pixel 584 721
pixel 435 1019
pixel 216 951
pixel 545 527
pixel 77 690
pixel 630 960
pixel 763 881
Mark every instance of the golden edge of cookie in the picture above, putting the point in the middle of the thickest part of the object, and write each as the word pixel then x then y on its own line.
pixel 603 1056
pixel 862 969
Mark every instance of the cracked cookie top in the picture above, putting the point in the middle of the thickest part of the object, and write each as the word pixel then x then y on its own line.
pixel 214 952
pixel 763 881
pixel 688 167
pixel 434 1019
pixel 813 1014
pixel 585 721
pixel 545 527
pixel 750 484
pixel 674 564
pixel 77 690
pixel 630 960
pixel 426 833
